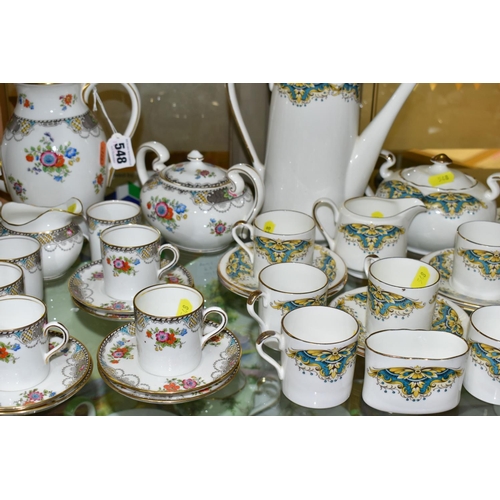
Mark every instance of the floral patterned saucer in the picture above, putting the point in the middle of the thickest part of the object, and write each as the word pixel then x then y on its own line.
pixel 442 260
pixel 70 370
pixel 447 315
pixel 236 274
pixel 118 365
pixel 86 287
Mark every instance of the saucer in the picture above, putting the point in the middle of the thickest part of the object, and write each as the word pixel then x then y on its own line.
pixel 117 361
pixel 86 287
pixel 442 260
pixel 236 274
pixel 447 315
pixel 70 370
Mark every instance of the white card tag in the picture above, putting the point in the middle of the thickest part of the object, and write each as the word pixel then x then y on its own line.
pixel 120 151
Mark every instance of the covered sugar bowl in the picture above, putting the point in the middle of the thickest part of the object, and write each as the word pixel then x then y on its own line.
pixel 195 204
pixel 450 196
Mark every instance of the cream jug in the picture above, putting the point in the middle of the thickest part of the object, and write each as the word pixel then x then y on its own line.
pixel 313 148
pixel 365 226
pixel 53 146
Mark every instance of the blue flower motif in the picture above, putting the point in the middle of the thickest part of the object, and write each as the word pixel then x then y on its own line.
pixel 58 178
pixel 71 153
pixel 180 208
pixel 52 394
pixel 137 262
pixel 213 221
pixel 183 332
pixel 120 343
pixel 16 347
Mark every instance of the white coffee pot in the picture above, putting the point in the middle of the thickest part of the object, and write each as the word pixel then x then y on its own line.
pixel 313 147
pixel 53 145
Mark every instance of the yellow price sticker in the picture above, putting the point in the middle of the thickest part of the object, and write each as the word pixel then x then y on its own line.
pixel 72 208
pixel 439 179
pixel 377 214
pixel 421 278
pixel 269 226
pixel 185 307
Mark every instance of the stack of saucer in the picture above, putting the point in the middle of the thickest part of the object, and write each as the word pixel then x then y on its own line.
pixel 86 287
pixel 70 370
pixel 118 365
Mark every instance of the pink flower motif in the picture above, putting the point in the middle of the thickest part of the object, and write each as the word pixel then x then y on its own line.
pixel 35 396
pixel 189 383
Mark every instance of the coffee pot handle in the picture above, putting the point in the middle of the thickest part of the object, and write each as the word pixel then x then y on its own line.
pixel 336 217
pixel 135 98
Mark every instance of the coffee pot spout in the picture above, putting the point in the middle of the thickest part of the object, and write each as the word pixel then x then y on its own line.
pixel 369 144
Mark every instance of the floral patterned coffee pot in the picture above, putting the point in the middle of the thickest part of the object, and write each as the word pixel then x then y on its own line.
pixel 450 196
pixel 195 204
pixel 53 147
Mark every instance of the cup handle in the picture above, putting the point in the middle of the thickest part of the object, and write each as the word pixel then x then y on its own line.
pixel 163 270
pixel 236 237
pixel 261 340
pixel 336 216
pixel 207 336
pixel 60 328
pixel 369 260
pixel 252 299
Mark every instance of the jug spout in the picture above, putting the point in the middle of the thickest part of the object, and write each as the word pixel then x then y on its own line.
pixel 369 144
pixel 408 209
pixel 27 217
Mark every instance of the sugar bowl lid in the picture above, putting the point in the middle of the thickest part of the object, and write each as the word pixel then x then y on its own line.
pixel 195 173
pixel 438 175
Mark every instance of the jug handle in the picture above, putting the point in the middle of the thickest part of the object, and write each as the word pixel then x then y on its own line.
pixel 135 98
pixel 239 185
pixel 235 108
pixel 336 216
pixel 3 187
pixel 390 161
pixel 162 154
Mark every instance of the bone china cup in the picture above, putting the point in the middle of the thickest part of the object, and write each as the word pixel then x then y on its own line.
pixel 278 236
pixel 476 261
pixel 109 213
pixel 11 279
pixel 318 355
pixel 131 259
pixel 482 373
pixel 26 253
pixel 401 293
pixel 24 343
pixel 170 322
pixel 284 287
pixel 414 372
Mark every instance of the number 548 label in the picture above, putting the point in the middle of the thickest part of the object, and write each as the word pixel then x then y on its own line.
pixel 120 151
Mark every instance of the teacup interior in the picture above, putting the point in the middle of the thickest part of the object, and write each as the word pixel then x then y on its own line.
pixel 402 272
pixel 165 301
pixel 14 247
pixel 284 222
pixel 486 320
pixel 9 273
pixel 366 206
pixel 481 232
pixel 111 211
pixel 320 325
pixel 293 277
pixel 19 311
pixel 130 235
pixel 421 344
